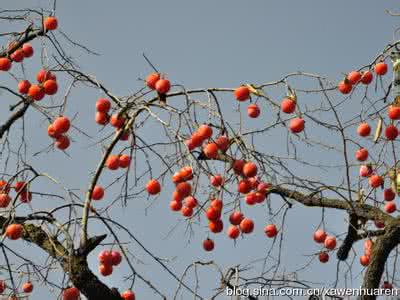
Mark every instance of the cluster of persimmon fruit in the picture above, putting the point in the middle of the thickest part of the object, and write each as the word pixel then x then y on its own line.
pixel 183 200
pixel 13 231
pixel 20 187
pixel 47 85
pixel 288 106
pixel 107 260
pixel 366 171
pixel 355 77
pixel 329 243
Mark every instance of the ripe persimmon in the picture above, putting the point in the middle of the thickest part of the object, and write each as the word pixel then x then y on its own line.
pixel 244 186
pixel 362 154
pixel 323 257
pixel 44 75
pixel 246 225
pixel 186 211
pixel 50 87
pixel 354 77
pixel 61 124
pixel 389 195
pixel 102 118
pixel 97 193
pixel 71 293
pixel 222 143
pixel 367 77
pixel 365 171
pixel 27 287
pixel 124 161
pixel 251 198
pixel 51 132
pixel 288 105
pixel 213 214
pixel 216 226
pixel 103 105
pixel 184 189
pixel 319 236
pixel 175 205
pixel 211 150
pixel 153 187
pixel 18 55
pixel 364 129
pixel 330 242
pixel 250 169
pixel 344 87
pixel 5 200
pixel 28 50
pixel 390 207
pixel 112 162
pixel 391 132
pixel 5 64
pixel 50 23
pixel 233 232
pixel 128 295
pixel 242 93
pixel 152 79
pixel 375 181
pixel 23 86
pixel 205 131
pixel 381 68
pixel 394 112
pixel 238 166
pixel 36 92
pixel 236 217
pixel 197 139
pixel 117 121
pixel 62 142
pixel 14 231
pixel 253 111
pixel 116 258
pixel 296 125
pixel 163 86
pixel 208 244
pixel 191 201
pixel 364 260
pixel 216 180
pixel 105 257
pixel 271 230
pixel 105 269
pixel 217 204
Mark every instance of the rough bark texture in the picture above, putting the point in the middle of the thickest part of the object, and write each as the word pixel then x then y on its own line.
pixel 74 264
pixel 380 252
pixel 88 283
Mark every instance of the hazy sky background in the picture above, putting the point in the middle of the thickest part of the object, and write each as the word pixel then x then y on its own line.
pixel 205 44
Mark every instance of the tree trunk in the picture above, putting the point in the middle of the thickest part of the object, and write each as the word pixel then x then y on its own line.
pixel 380 252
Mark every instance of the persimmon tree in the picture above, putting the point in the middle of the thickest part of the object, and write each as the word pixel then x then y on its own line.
pixel 202 142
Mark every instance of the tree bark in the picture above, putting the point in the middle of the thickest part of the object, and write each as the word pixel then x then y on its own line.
pixel 74 264
pixel 380 252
